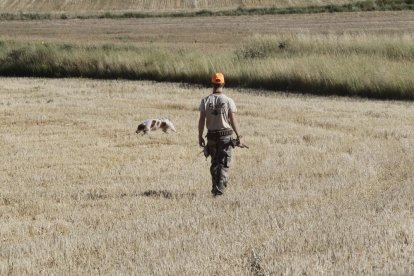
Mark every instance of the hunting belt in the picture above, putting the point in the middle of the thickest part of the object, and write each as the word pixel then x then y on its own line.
pixel 214 134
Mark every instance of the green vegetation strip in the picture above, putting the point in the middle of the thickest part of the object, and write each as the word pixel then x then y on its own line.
pixel 369 5
pixel 375 66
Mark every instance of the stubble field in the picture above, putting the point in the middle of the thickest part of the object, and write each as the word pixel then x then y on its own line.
pixel 325 188
pixel 205 33
pixel 80 6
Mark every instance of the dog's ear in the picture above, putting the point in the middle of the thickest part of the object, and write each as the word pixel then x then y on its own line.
pixel 140 127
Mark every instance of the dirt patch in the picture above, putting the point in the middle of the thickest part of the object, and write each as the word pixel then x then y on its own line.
pixel 166 194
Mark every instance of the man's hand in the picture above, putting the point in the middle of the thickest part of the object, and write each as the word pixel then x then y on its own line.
pixel 242 145
pixel 201 141
pixel 240 141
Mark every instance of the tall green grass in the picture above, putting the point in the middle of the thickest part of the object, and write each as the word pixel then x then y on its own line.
pixel 367 5
pixel 375 66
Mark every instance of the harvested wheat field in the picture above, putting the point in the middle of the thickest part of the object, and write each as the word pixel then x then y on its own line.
pixel 202 32
pixel 149 5
pixel 325 188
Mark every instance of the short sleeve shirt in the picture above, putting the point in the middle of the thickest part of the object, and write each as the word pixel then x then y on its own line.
pixel 217 107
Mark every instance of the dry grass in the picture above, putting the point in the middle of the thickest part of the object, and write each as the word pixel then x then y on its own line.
pixel 150 5
pixel 377 66
pixel 326 187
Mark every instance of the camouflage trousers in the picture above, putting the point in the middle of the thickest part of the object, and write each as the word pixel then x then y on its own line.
pixel 220 152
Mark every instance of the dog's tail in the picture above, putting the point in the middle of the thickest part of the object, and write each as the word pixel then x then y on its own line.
pixel 170 125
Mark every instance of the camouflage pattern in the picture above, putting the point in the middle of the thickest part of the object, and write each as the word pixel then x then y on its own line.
pixel 220 152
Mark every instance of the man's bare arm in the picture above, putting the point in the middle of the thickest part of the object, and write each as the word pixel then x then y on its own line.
pixel 234 123
pixel 201 124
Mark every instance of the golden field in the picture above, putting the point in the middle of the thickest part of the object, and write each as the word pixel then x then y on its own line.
pixel 325 188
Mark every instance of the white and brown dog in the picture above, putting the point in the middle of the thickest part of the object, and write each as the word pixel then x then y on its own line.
pixel 154 124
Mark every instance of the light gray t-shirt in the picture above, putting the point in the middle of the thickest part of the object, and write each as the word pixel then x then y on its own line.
pixel 217 107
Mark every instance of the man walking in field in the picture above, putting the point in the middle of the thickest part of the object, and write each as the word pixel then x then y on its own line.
pixel 217 114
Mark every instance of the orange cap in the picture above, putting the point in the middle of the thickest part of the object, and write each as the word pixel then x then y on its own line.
pixel 217 78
